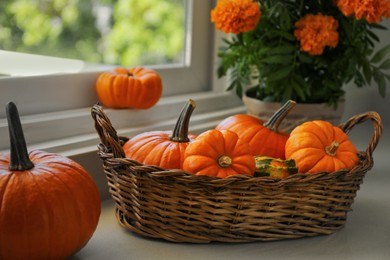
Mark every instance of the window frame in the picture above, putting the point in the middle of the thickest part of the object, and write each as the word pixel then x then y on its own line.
pixel 55 108
pixel 192 76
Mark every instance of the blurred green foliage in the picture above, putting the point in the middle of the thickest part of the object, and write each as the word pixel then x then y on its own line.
pixel 123 32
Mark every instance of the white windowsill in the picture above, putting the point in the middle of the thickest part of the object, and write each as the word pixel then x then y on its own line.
pixel 78 135
pixel 15 64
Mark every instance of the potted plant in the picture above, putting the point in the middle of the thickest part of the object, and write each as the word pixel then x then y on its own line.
pixel 301 50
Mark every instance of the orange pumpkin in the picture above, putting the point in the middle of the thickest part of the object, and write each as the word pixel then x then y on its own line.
pixel 129 88
pixel 49 205
pixel 318 146
pixel 219 153
pixel 163 148
pixel 264 139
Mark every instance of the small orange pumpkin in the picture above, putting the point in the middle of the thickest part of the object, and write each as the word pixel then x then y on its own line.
pixel 163 148
pixel 264 139
pixel 318 146
pixel 49 205
pixel 136 87
pixel 219 153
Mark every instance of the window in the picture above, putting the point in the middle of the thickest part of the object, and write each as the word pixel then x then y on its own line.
pixel 126 32
pixel 192 75
pixel 55 107
pixel 189 75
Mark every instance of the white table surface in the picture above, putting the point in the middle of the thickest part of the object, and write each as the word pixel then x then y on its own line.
pixel 366 234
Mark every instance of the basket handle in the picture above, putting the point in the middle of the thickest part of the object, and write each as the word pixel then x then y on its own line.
pixel 106 131
pixel 378 128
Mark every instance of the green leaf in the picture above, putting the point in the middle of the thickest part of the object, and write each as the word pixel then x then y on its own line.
pixel 277 59
pixel 285 35
pixel 370 42
pixel 298 90
pixel 286 49
pixel 288 93
pixel 385 65
pixel 378 26
pixel 228 42
pixel 366 70
pixel 305 58
pixel 303 85
pixel 280 74
pixel 373 35
pixel 359 79
pixel 381 54
pixel 221 71
pixel 239 90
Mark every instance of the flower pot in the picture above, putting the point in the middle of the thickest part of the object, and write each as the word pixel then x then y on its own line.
pixel 299 114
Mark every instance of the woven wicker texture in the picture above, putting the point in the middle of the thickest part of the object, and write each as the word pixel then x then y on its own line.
pixel 182 207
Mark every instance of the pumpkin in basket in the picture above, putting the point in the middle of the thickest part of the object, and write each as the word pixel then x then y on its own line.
pixel 264 139
pixel 318 146
pixel 219 153
pixel 49 205
pixel 163 148
pixel 136 87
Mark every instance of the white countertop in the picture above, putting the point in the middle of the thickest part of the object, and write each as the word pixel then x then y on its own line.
pixel 365 236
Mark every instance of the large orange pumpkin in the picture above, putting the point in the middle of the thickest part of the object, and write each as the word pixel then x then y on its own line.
pixel 136 87
pixel 318 146
pixel 219 153
pixel 264 139
pixel 163 148
pixel 49 205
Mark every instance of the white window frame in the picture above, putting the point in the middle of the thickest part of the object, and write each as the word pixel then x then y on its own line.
pixel 55 108
pixel 191 76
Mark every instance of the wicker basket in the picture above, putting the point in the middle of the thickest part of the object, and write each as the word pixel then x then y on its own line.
pixel 182 207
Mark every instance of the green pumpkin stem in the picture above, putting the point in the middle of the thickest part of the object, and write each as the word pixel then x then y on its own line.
pixel 180 132
pixel 19 160
pixel 276 119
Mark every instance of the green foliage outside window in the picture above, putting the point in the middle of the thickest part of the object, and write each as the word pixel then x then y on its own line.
pixel 125 32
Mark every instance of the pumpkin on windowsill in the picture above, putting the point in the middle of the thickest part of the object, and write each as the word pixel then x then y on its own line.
pixel 135 87
pixel 49 205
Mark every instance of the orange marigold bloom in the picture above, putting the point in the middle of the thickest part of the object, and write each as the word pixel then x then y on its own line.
pixel 236 16
pixel 347 7
pixel 315 32
pixel 387 13
pixel 370 10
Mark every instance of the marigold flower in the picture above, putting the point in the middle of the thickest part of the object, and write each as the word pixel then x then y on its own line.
pixel 370 10
pixel 315 32
pixel 347 7
pixel 236 16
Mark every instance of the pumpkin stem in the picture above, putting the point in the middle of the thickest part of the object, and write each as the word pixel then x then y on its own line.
pixel 332 149
pixel 19 159
pixel 276 119
pixel 224 161
pixel 180 132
